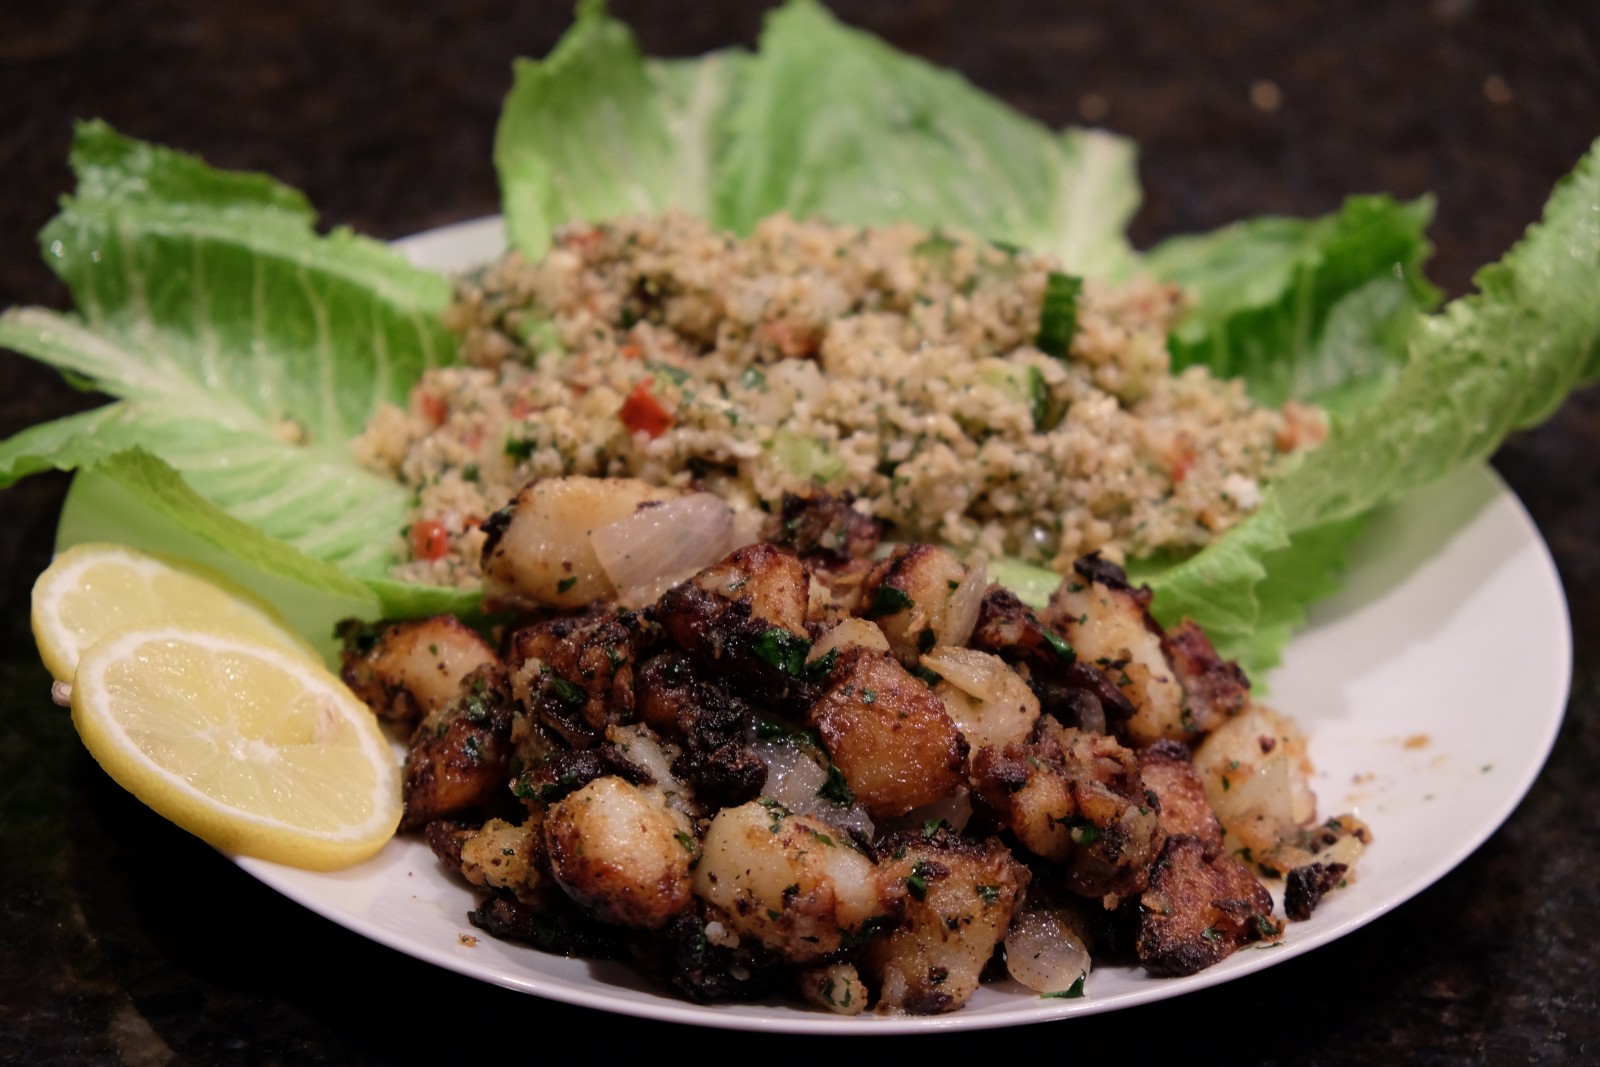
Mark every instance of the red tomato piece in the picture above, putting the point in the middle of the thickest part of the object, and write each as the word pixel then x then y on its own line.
pixel 642 411
pixel 429 540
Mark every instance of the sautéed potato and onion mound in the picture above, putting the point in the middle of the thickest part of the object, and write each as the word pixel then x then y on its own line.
pixel 735 735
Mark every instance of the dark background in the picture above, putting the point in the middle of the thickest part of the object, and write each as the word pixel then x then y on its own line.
pixel 124 941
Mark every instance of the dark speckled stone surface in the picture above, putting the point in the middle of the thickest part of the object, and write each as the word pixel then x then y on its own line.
pixel 123 941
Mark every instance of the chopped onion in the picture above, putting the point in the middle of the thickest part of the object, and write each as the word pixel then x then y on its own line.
pixel 849 631
pixel 988 701
pixel 796 780
pixel 1045 952
pixel 979 674
pixel 954 809
pixel 660 545
pixel 961 615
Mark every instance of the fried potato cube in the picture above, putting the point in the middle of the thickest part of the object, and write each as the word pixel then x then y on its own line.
pixel 888 733
pixel 407 670
pixel 621 852
pixel 961 895
pixel 1197 912
pixel 792 882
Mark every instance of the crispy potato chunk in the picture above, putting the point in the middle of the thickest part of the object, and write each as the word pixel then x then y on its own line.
pixel 770 581
pixel 1107 623
pixel 836 987
pixel 1077 799
pixel 621 852
pixel 1198 911
pixel 458 760
pixel 576 674
pixel 538 553
pixel 1216 688
pixel 888 734
pixel 1169 773
pixel 910 595
pixel 503 855
pixel 407 670
pixel 1256 772
pixel 792 882
pixel 745 617
pixel 961 895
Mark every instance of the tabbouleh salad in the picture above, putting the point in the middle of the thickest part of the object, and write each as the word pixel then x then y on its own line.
pixel 960 390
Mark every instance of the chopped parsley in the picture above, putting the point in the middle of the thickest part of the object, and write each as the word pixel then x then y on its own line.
pixel 1072 992
pixel 887 600
pixel 917 882
pixel 1058 644
pixel 784 650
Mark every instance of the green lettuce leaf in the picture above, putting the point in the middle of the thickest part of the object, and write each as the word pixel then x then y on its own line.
pixel 885 137
pixel 595 131
pixel 1498 360
pixel 1316 310
pixel 246 349
pixel 1485 365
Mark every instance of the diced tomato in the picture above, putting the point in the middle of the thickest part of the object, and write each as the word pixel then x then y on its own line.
pixel 521 408
pixel 631 350
pixel 581 240
pixel 429 540
pixel 433 408
pixel 1181 464
pixel 642 411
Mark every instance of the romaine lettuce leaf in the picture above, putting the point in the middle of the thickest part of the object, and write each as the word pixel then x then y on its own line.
pixel 1489 363
pixel 887 137
pixel 595 131
pixel 1485 365
pixel 247 350
pixel 1315 310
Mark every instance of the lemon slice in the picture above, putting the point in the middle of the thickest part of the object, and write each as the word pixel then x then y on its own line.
pixel 257 750
pixel 92 589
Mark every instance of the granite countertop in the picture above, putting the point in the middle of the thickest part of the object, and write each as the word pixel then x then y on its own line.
pixel 122 940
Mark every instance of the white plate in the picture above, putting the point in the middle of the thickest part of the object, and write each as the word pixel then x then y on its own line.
pixel 1431 688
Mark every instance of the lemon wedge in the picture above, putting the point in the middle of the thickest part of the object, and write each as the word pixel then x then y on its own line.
pixel 93 589
pixel 255 749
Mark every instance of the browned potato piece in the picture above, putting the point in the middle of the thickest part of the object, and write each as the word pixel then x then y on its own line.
pixel 1078 799
pixel 1217 689
pixel 1198 911
pixel 503 855
pixel 459 756
pixel 1168 772
pixel 576 674
pixel 745 618
pixel 960 898
pixel 1107 624
pixel 621 852
pixel 909 595
pixel 771 581
pixel 836 987
pixel 888 734
pixel 411 669
pixel 538 554
pixel 792 882
pixel 1070 689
